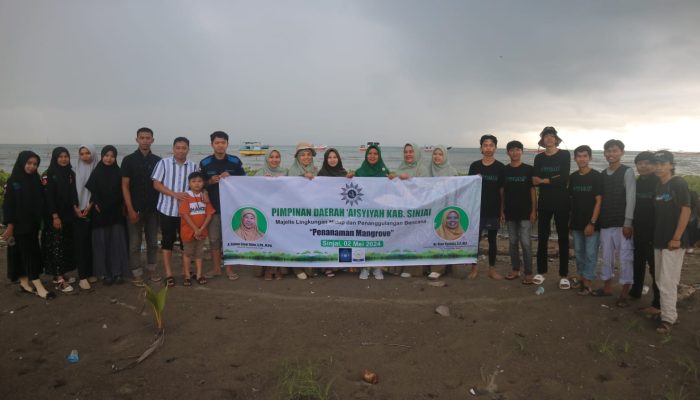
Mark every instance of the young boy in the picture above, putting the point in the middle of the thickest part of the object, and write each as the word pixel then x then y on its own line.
pixel 195 216
pixel 520 208
pixel 585 189
pixel 616 216
pixel 643 225
pixel 672 211
pixel 491 171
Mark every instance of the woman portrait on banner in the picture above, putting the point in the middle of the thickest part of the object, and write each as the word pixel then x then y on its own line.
pixel 249 230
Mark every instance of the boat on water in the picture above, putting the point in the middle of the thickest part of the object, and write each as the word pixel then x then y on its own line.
pixel 431 148
pixel 320 147
pixel 365 146
pixel 534 150
pixel 252 149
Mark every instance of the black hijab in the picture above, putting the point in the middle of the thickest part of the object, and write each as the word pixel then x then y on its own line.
pixel 64 180
pixel 327 170
pixel 24 201
pixel 105 185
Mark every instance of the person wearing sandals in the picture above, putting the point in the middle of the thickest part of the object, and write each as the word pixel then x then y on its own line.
pixel 372 166
pixel 170 180
pixel 551 175
pixel 440 166
pixel 671 215
pixel 333 167
pixel 109 245
pixel 520 209
pixel 586 191
pixel 140 199
pixel 303 165
pixel 273 167
pixel 643 226
pixel 216 167
pixel 23 208
pixel 491 171
pixel 57 236
pixel 82 232
pixel 616 216
pixel 411 166
pixel 195 216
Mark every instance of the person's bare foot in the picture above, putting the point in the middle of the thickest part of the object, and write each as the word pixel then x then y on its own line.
pixel 493 274
pixel 474 273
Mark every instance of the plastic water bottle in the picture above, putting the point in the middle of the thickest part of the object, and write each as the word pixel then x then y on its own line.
pixel 539 291
pixel 73 356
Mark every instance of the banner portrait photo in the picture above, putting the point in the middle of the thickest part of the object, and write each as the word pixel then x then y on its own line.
pixel 360 222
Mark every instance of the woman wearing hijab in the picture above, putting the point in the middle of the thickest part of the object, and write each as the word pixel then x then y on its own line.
pixel 304 166
pixel 333 167
pixel 248 230
pixel 332 164
pixel 411 165
pixel 108 235
pixel 23 209
pixel 372 166
pixel 272 167
pixel 440 166
pixel 57 235
pixel 82 235
pixel 303 161
pixel 450 227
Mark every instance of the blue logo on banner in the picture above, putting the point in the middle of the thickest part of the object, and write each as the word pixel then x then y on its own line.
pixel 351 194
pixel 344 255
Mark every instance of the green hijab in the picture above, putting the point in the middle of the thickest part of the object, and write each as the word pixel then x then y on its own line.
pixel 444 169
pixel 416 167
pixel 267 170
pixel 368 170
pixel 298 169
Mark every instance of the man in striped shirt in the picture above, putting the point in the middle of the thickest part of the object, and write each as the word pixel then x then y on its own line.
pixel 170 180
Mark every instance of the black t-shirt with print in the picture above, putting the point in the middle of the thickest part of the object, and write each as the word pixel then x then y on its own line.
pixel 556 168
pixel 583 190
pixel 670 198
pixel 491 184
pixel 517 182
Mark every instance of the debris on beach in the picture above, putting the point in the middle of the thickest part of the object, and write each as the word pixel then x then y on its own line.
pixel 370 377
pixel 443 310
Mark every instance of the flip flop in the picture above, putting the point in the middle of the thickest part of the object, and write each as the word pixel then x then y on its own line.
pixel 232 276
pixel 575 283
pixel 527 281
pixel 564 284
pixel 512 275
pixel 600 292
pixel 538 279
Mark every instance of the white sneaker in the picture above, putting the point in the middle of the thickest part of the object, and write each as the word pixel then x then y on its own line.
pixel 378 274
pixel 405 275
pixel 364 274
pixel 302 275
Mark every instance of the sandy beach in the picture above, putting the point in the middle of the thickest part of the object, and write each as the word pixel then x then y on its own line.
pixel 235 340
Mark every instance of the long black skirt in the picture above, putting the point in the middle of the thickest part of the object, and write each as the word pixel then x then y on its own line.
pixel 24 258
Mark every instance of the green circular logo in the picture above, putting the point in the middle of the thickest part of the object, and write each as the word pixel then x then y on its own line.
pixel 256 226
pixel 445 221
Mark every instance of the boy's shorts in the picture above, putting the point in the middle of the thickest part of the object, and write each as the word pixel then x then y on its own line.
pixel 193 248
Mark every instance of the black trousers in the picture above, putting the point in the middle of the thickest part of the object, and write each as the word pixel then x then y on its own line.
pixel 561 221
pixel 643 255
pixel 82 242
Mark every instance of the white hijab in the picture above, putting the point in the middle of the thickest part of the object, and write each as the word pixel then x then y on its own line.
pixel 82 173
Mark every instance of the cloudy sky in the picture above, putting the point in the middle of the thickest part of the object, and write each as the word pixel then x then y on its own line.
pixel 346 72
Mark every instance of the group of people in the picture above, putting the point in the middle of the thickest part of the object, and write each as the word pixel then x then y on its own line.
pixel 94 216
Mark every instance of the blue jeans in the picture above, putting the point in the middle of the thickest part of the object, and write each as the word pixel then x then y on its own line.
pixel 586 253
pixel 519 236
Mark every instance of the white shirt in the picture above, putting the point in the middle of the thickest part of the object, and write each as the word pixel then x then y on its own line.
pixel 174 177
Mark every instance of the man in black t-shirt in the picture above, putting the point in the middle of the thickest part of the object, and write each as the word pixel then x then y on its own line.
pixel 215 167
pixel 586 191
pixel 551 176
pixel 520 209
pixel 491 171
pixel 140 199
pixel 672 212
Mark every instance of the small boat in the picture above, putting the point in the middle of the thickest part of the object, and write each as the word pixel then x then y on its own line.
pixel 534 150
pixel 431 148
pixel 252 149
pixel 320 147
pixel 365 146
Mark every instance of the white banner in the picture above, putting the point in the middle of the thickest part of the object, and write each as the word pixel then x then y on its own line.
pixel 359 222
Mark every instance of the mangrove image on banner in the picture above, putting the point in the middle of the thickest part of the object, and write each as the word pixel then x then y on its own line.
pixel 359 222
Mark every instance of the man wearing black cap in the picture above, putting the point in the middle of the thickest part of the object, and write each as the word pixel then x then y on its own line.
pixel 672 212
pixel 551 176
pixel 643 226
